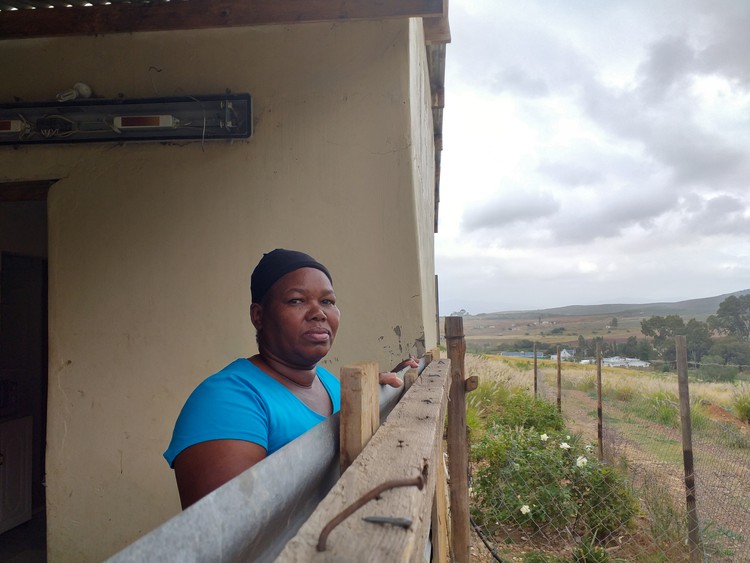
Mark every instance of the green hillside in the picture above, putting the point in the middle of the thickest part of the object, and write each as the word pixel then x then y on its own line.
pixel 692 308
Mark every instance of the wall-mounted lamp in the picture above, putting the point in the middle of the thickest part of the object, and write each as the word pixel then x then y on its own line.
pixel 226 116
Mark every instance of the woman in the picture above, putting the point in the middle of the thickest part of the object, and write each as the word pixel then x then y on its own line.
pixel 256 405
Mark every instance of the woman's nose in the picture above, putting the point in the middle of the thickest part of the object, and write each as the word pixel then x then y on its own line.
pixel 317 312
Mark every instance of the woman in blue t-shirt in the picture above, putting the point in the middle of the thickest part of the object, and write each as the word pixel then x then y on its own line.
pixel 256 405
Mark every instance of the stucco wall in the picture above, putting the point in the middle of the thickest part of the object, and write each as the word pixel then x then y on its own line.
pixel 151 245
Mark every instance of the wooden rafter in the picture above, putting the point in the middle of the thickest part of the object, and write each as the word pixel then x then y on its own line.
pixel 201 14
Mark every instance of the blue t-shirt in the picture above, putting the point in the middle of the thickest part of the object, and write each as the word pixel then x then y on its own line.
pixel 242 402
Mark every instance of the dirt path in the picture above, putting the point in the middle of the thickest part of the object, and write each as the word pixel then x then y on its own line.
pixel 653 451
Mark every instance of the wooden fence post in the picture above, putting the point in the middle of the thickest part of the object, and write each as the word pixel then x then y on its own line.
pixel 458 451
pixel 536 376
pixel 360 409
pixel 694 537
pixel 440 526
pixel 559 381
pixel 410 377
pixel 599 411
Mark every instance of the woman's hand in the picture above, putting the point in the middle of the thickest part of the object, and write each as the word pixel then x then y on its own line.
pixel 391 378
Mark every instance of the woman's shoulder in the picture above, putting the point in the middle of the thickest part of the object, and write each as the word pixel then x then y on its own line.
pixel 241 374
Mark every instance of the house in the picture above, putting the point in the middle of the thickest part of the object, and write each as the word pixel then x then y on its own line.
pixel 618 361
pixel 146 248
pixel 565 355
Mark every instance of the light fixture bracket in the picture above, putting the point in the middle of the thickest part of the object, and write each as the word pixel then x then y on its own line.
pixel 182 118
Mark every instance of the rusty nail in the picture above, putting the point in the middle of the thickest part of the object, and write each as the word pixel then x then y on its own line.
pixel 361 501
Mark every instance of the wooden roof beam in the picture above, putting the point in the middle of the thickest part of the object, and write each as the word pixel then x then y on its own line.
pixel 202 14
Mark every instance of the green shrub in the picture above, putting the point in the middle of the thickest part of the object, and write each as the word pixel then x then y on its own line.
pixel 713 369
pixel 589 551
pixel 623 393
pixel 535 481
pixel 741 405
pixel 519 409
pixel 481 403
pixel 668 522
pixel 699 418
pixel 661 407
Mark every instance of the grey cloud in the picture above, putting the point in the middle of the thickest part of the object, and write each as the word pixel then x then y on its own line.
pixel 516 80
pixel 670 136
pixel 719 215
pixel 670 61
pixel 572 175
pixel 502 212
pixel 727 52
pixel 580 222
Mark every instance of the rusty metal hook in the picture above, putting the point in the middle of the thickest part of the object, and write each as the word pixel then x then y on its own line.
pixel 361 501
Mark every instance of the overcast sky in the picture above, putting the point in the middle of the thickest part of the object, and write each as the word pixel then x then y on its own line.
pixel 594 152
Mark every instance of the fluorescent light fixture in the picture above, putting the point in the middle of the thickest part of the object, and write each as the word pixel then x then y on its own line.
pixel 184 118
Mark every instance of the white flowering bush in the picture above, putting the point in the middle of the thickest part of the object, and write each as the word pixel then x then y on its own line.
pixel 547 481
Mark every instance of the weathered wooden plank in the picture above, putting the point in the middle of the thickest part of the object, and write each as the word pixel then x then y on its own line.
pixel 410 377
pixel 438 30
pixel 458 451
pixel 202 14
pixel 440 529
pixel 406 446
pixel 360 412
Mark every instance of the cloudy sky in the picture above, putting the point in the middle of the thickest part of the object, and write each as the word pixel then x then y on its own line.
pixel 594 152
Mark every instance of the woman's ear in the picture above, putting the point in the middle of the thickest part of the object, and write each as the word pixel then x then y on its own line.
pixel 256 315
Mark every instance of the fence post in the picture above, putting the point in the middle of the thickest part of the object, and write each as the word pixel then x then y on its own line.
pixel 599 411
pixel 458 451
pixel 360 409
pixel 536 376
pixel 694 539
pixel 410 377
pixel 559 381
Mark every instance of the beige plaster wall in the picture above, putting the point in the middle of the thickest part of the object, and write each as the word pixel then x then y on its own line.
pixel 151 245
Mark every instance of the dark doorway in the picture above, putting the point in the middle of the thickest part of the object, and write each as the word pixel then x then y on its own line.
pixel 23 372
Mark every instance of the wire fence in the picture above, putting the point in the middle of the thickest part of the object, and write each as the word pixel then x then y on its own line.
pixel 554 496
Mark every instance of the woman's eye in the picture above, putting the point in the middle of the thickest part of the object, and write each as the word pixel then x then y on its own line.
pixel 329 302
pixel 295 301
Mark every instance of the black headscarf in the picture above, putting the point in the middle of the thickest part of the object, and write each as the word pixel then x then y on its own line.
pixel 276 264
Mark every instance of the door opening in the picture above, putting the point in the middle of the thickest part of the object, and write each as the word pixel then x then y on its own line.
pixel 23 371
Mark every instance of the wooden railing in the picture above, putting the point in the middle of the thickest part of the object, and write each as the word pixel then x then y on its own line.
pixel 392 489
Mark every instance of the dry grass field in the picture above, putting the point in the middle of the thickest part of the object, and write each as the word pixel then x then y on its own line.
pixel 486 333
pixel 649 448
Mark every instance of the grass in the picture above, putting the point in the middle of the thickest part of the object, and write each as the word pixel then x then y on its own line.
pixel 638 403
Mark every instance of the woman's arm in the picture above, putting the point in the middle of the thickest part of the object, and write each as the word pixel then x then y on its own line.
pixel 204 467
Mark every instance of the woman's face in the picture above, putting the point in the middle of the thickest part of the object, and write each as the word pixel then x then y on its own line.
pixel 298 319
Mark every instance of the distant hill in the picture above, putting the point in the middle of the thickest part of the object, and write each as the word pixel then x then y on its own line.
pixel 692 308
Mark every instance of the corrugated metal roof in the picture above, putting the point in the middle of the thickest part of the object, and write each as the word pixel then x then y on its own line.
pixel 12 5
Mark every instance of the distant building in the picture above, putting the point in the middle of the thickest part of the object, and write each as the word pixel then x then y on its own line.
pixel 539 355
pixel 565 355
pixel 619 361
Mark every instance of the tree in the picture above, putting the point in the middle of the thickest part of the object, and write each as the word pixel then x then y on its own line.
pixel 662 330
pixel 697 339
pixel 613 322
pixel 630 348
pixel 583 348
pixel 645 350
pixel 733 317
pixel 732 351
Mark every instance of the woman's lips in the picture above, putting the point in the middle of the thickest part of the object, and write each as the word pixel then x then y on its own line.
pixel 318 335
